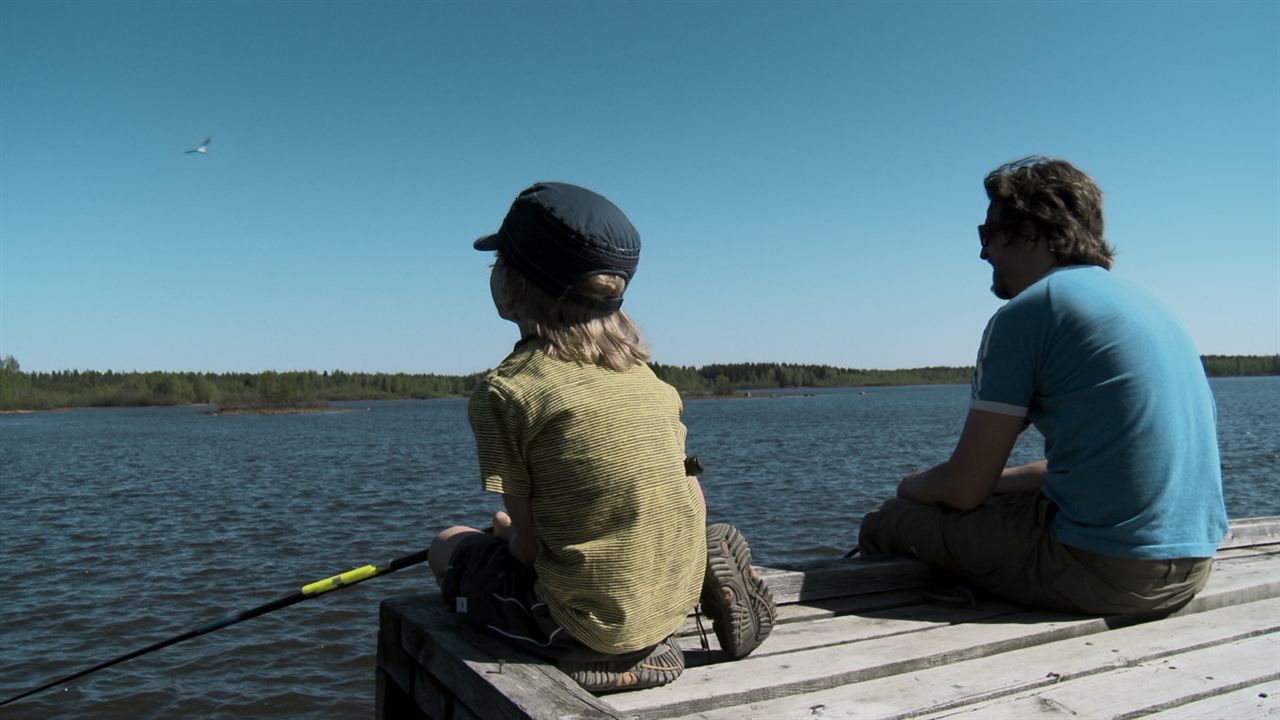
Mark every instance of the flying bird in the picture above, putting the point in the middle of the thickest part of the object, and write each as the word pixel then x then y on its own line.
pixel 203 148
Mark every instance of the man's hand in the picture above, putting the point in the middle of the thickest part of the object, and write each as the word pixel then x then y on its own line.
pixel 907 486
pixel 971 475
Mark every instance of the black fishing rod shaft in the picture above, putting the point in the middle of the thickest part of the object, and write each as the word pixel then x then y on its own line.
pixel 346 579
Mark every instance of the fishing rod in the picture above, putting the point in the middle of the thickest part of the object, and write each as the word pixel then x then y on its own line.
pixel 346 579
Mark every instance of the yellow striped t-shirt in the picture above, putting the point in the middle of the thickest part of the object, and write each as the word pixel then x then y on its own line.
pixel 621 534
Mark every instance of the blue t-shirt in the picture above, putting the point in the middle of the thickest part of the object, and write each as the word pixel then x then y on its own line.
pixel 1115 385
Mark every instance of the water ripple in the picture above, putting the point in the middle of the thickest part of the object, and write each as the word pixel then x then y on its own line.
pixel 121 528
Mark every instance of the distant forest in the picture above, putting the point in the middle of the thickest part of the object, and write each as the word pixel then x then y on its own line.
pixel 90 388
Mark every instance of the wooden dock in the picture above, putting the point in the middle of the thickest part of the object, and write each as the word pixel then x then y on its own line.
pixel 868 639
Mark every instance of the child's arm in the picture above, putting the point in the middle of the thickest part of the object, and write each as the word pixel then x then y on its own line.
pixel 692 469
pixel 524 536
pixel 697 490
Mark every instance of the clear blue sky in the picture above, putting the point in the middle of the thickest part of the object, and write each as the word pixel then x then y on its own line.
pixel 806 176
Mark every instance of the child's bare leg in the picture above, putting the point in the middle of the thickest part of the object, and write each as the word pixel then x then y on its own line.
pixel 442 548
pixel 443 545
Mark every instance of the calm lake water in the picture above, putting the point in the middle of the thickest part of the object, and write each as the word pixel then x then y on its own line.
pixel 120 528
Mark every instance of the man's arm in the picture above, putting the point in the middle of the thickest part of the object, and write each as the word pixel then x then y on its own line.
pixel 974 470
pixel 1023 478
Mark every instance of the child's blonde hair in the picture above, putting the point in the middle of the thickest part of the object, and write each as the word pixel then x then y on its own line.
pixel 572 332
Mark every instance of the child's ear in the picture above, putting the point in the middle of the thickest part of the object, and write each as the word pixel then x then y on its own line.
pixel 512 294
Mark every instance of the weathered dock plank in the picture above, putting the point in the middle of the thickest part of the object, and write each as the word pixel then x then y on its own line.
pixel 841 578
pixel 1252 531
pixel 823 608
pixel 484 676
pixel 859 648
pixel 1150 686
pixel 870 639
pixel 898 623
pixel 1250 703
pixel 936 691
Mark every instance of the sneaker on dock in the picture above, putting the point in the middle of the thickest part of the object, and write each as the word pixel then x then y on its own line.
pixel 738 602
pixel 662 665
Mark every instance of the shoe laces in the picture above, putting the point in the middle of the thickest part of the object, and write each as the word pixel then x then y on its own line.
pixel 702 634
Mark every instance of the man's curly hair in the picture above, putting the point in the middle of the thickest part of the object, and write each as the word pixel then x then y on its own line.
pixel 1063 203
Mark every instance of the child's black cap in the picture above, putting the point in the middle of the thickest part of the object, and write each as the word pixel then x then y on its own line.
pixel 556 234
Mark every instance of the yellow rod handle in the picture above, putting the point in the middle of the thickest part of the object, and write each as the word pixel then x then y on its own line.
pixel 349 577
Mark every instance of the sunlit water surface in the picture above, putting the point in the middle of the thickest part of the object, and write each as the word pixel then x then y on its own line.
pixel 119 528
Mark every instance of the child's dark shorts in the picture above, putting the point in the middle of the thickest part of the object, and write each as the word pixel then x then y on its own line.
pixel 495 592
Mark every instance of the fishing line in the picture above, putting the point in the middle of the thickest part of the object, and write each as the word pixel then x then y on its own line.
pixel 308 591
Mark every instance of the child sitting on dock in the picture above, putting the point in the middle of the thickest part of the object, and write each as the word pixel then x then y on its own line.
pixel 602 550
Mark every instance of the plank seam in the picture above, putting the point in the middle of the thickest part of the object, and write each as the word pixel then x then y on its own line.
pixel 899 667
pixel 1095 626
pixel 1196 697
pixel 1056 678
pixel 996 616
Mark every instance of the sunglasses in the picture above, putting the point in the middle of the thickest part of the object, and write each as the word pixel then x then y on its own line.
pixel 986 230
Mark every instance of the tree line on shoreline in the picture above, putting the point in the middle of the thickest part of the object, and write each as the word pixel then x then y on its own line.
pixel 299 389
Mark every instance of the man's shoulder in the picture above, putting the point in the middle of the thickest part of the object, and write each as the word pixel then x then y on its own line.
pixel 1088 281
pixel 1072 289
pixel 1090 291
pixel 1071 279
pixel 1028 307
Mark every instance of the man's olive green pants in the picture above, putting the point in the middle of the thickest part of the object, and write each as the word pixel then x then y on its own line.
pixel 1005 547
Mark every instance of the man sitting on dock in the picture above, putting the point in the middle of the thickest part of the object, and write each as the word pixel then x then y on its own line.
pixel 1125 512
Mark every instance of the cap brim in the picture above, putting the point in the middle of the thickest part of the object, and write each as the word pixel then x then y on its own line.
pixel 488 242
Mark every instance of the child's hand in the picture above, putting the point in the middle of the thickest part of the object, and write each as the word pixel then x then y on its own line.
pixel 517 526
pixel 501 524
pixel 504 528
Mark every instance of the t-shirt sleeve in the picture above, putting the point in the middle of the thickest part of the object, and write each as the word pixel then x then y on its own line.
pixel 1004 375
pixel 682 433
pixel 498 425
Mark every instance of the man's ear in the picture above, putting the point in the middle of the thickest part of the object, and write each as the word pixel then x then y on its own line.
pixel 1028 232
